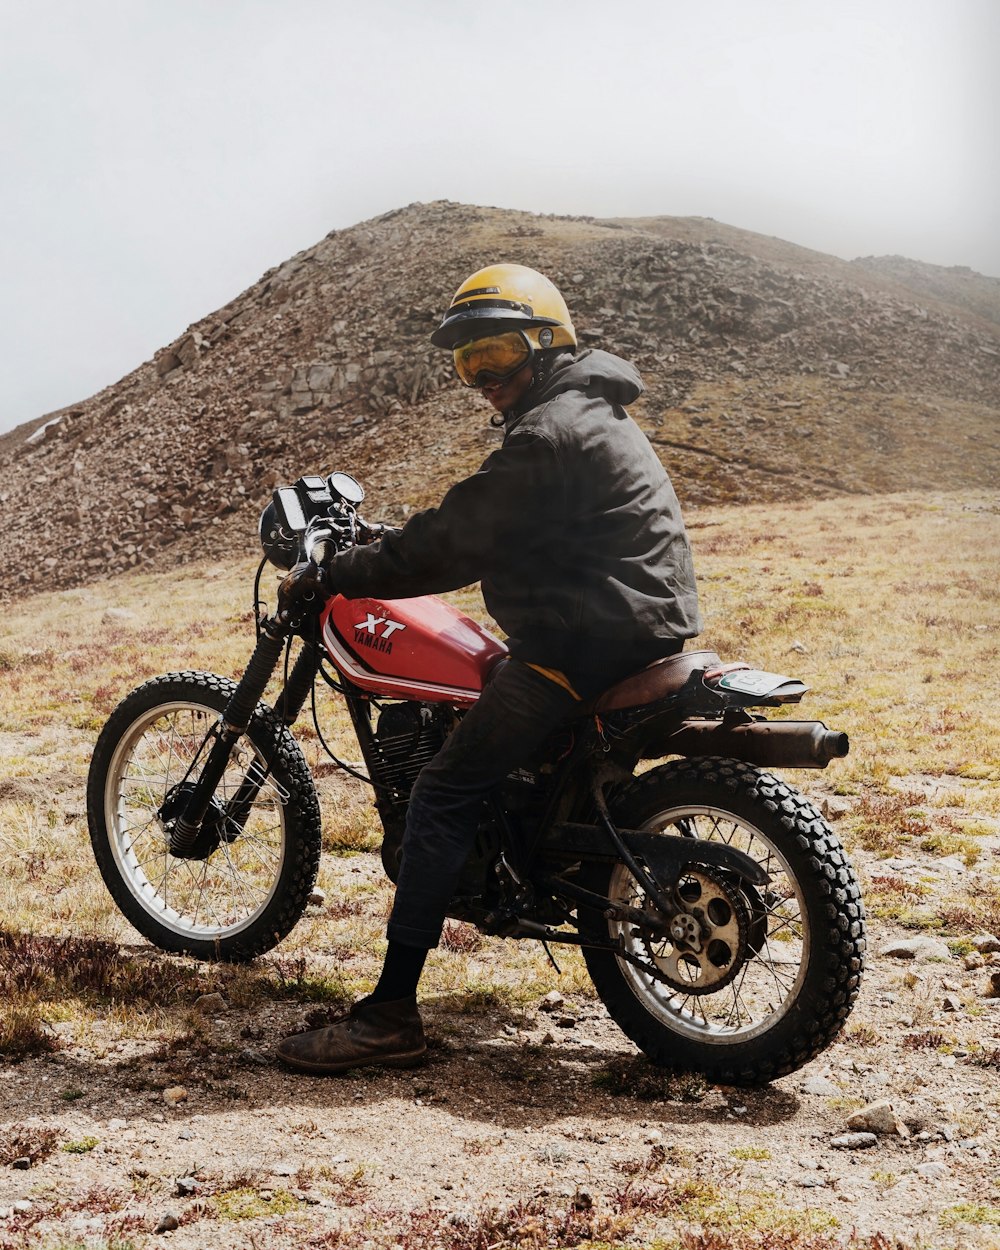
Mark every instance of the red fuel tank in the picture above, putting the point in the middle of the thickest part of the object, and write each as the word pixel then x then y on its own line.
pixel 409 648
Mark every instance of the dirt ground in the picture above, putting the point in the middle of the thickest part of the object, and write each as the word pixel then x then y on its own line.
pixel 536 1108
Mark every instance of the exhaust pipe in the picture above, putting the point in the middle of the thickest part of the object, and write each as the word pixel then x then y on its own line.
pixel 771 744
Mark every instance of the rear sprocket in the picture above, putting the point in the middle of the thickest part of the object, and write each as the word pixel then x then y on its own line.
pixel 706 944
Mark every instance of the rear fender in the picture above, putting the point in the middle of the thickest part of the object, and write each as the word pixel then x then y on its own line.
pixel 739 685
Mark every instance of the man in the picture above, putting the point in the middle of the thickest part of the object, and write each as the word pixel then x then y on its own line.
pixel 574 530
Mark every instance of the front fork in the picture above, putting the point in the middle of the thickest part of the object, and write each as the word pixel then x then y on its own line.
pixel 233 725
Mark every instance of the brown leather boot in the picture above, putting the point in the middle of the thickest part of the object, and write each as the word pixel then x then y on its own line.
pixel 388 1034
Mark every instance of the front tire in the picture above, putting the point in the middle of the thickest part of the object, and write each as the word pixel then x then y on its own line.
pixel 235 898
pixel 792 983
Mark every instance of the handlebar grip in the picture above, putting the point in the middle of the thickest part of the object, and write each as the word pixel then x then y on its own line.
pixel 322 551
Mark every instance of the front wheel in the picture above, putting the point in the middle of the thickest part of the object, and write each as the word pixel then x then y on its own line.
pixel 243 886
pixel 755 980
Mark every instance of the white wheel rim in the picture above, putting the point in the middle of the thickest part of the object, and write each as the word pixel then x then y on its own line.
pixel 205 899
pixel 767 985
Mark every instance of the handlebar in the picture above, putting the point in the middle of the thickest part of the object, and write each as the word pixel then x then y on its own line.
pixel 323 538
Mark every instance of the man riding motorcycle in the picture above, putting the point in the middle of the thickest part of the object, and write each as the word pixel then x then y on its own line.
pixel 574 530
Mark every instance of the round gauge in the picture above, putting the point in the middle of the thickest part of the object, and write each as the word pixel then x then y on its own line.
pixel 348 488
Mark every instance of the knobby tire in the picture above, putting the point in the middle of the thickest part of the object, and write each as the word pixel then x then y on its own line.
pixel 832 944
pixel 281 851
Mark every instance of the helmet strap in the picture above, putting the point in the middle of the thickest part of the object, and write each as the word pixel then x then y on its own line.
pixel 544 363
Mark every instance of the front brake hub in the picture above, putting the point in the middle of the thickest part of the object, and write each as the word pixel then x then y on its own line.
pixel 705 945
pixel 211 833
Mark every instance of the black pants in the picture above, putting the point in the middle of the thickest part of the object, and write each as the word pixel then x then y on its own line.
pixel 514 715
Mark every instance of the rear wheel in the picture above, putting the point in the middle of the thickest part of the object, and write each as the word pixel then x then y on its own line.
pixel 241 889
pixel 751 982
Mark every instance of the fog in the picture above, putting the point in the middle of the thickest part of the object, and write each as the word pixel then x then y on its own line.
pixel 158 157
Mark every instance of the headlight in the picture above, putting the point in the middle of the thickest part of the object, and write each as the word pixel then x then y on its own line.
pixel 280 548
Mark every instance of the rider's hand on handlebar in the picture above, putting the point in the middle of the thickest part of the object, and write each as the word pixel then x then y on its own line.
pixel 369 533
pixel 308 582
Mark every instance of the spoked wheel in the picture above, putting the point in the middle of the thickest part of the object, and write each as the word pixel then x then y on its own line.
pixel 748 982
pixel 245 882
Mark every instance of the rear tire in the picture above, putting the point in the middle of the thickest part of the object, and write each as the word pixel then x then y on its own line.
pixel 246 894
pixel 803 935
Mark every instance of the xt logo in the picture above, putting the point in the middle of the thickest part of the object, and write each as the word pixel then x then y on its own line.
pixel 371 624
pixel 375 631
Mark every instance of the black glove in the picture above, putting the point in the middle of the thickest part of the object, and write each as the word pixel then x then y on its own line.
pixel 306 583
pixel 369 533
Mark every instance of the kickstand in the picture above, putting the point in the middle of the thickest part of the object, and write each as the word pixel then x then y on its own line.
pixel 552 958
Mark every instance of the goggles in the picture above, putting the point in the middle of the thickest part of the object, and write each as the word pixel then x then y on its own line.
pixel 493 359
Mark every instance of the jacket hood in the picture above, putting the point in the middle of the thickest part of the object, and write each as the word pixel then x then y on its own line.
pixel 593 372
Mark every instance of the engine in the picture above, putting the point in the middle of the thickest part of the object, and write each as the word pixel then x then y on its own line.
pixel 406 737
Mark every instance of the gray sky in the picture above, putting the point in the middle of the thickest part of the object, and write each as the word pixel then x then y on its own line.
pixel 157 156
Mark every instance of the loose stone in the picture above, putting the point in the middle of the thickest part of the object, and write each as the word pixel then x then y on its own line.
pixel 821 1086
pixel 914 948
pixel 878 1117
pixel 854 1141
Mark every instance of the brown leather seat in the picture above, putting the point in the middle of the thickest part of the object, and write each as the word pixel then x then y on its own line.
pixel 660 679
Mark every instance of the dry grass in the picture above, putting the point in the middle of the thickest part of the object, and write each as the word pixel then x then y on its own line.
pixel 975 910
pixel 30 1142
pixel 830 423
pixel 24 1030
pixel 888 608
pixel 890 656
pixel 892 898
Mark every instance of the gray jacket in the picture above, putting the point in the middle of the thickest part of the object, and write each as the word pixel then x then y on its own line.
pixel 572 526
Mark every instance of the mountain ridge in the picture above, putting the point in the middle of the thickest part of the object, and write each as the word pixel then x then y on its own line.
pixel 770 372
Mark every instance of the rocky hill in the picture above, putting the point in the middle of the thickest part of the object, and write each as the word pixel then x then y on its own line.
pixel 963 288
pixel 772 372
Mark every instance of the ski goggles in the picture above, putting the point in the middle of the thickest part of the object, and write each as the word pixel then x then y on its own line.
pixel 493 359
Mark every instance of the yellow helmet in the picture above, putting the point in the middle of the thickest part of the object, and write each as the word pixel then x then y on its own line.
pixel 507 297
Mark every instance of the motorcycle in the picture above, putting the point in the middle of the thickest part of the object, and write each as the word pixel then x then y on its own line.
pixel 718 916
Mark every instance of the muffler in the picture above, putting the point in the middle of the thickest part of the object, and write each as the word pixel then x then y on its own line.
pixel 772 744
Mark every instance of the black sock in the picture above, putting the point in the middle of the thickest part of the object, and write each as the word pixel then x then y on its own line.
pixel 400 973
